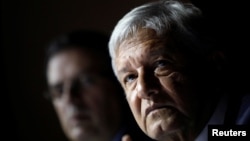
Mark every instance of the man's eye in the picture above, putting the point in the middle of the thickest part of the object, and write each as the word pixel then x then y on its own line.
pixel 129 78
pixel 162 63
pixel 88 80
pixel 56 91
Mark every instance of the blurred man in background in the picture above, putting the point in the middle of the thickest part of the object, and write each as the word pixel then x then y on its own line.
pixel 87 98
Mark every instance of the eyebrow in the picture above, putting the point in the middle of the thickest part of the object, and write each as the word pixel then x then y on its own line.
pixel 152 54
pixel 123 70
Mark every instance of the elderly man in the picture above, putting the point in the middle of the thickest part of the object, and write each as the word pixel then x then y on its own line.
pixel 167 61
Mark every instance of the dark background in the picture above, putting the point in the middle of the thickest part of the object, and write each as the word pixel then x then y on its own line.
pixel 27 26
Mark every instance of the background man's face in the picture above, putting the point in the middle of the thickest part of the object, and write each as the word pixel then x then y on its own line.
pixel 85 101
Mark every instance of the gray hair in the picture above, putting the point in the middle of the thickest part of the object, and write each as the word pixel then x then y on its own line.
pixel 162 16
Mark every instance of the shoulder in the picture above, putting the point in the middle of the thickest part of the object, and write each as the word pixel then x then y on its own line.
pixel 136 133
pixel 238 109
pixel 244 110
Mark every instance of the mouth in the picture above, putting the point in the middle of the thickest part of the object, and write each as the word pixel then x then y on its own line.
pixel 79 120
pixel 156 107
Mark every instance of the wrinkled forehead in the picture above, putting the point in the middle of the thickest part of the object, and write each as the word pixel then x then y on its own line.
pixel 147 39
pixel 152 44
pixel 135 39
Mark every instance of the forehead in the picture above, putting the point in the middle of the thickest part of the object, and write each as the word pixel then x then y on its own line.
pixel 141 40
pixel 68 63
pixel 144 42
pixel 146 47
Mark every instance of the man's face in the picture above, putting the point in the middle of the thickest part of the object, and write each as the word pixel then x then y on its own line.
pixel 163 98
pixel 85 101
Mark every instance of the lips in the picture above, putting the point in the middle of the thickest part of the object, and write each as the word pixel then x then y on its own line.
pixel 79 119
pixel 159 106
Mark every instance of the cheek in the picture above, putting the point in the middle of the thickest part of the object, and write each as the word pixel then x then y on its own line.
pixel 134 103
pixel 94 100
pixel 136 106
pixel 173 85
pixel 61 110
pixel 176 86
pixel 59 107
pixel 101 101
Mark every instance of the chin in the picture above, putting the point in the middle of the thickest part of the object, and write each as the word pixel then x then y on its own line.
pixel 158 129
pixel 77 133
pixel 174 135
pixel 168 129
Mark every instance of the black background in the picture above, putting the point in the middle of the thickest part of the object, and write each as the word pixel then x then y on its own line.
pixel 27 26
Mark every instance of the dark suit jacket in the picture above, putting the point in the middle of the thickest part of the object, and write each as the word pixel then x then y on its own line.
pixel 238 111
pixel 135 133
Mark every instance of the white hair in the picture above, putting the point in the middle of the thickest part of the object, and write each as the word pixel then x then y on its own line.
pixel 161 16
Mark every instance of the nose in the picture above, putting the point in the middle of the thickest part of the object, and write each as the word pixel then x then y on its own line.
pixel 147 85
pixel 72 92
